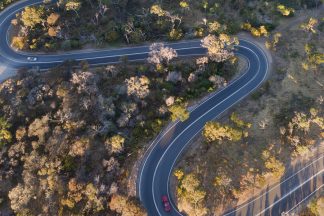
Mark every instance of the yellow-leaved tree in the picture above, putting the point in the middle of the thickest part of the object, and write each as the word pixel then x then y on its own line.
pixel 5 135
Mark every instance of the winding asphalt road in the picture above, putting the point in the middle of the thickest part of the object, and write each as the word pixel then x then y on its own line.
pixel 17 59
pixel 156 169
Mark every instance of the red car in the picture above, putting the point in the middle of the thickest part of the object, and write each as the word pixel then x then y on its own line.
pixel 166 203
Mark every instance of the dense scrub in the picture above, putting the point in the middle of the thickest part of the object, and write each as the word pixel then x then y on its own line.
pixel 74 24
pixel 5 3
pixel 69 134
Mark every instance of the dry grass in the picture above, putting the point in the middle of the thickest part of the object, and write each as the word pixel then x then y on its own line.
pixel 287 79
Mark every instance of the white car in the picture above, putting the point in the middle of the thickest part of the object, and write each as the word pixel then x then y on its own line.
pixel 31 58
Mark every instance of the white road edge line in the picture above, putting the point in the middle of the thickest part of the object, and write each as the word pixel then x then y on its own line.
pixel 190 126
pixel 275 186
pixel 101 57
pixel 168 193
pixel 160 137
pixel 290 192
pixel 311 194
pixel 100 51
pixel 202 103
pixel 76 53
